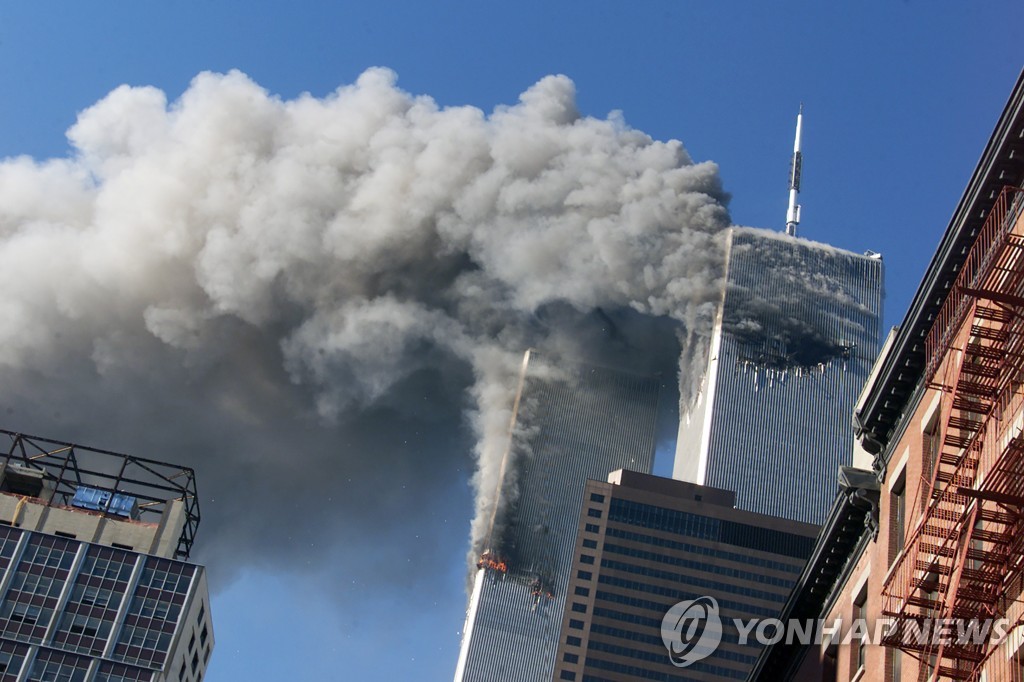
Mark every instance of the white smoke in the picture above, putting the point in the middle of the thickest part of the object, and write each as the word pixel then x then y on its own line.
pixel 259 287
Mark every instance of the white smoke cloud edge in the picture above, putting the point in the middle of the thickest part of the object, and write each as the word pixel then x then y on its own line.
pixel 367 236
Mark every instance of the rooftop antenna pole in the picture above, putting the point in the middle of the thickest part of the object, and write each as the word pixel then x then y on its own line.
pixel 793 214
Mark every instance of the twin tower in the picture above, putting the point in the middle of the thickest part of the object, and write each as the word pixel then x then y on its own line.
pixel 768 416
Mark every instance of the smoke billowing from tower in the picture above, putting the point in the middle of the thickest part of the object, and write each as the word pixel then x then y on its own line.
pixel 305 298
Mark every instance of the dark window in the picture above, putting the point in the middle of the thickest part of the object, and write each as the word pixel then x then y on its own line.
pixel 595 497
pixel 570 658
pixel 583 591
pixel 897 518
pixel 595 513
pixel 590 544
pixel 593 528
pixel 929 455
pixel 861 644
pixel 708 528
pixel 586 559
pixel 62 534
pixel 576 624
pixel 567 675
pixel 120 546
pixel 579 608
pixel 584 575
pixel 573 641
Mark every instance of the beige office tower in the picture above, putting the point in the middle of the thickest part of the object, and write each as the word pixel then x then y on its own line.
pixel 645 543
pixel 94 582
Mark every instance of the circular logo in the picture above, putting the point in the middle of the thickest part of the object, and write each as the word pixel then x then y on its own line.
pixel 691 630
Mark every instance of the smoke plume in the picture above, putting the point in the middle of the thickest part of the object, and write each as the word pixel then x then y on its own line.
pixel 321 303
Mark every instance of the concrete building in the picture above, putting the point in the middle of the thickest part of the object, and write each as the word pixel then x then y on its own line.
pixel 570 423
pixel 645 543
pixel 942 420
pixel 94 584
pixel 795 336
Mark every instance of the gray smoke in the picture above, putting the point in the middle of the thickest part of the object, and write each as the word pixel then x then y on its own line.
pixel 321 304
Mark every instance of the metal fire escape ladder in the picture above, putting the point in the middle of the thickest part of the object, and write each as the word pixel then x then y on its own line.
pixel 957 561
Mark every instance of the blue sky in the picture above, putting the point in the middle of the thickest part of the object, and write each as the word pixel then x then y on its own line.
pixel 899 100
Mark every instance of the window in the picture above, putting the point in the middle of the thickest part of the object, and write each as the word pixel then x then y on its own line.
pixel 590 544
pixel 570 658
pixel 579 608
pixel 584 575
pixel 582 591
pixel 594 497
pixel 95 596
pixel 567 675
pixel 893 668
pixel 595 513
pixel 576 624
pixel 23 613
pixel 897 517
pixel 592 528
pixel 859 652
pixel 573 641
pixel 929 456
pixel 586 559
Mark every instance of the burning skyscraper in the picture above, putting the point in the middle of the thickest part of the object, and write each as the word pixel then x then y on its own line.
pixel 570 424
pixel 793 343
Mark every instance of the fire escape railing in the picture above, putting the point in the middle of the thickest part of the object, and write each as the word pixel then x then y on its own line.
pixel 986 248
pixel 959 559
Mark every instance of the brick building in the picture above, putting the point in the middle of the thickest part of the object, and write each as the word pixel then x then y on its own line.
pixel 938 533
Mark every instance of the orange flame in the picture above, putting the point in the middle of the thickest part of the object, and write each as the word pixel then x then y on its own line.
pixel 491 562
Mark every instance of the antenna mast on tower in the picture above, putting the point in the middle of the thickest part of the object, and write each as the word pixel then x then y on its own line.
pixel 793 214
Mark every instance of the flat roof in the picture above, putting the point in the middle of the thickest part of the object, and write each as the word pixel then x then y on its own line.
pixel 69 466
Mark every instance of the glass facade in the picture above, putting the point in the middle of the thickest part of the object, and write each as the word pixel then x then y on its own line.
pixel 647 557
pixel 72 611
pixel 798 334
pixel 574 424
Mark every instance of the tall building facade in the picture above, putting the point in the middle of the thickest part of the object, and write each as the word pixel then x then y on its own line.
pixel 571 424
pixel 792 345
pixel 942 420
pixel 94 586
pixel 645 543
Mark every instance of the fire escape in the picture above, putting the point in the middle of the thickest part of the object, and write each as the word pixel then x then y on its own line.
pixel 964 558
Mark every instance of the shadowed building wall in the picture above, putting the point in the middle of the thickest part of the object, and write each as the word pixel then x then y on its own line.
pixel 645 543
pixel 573 423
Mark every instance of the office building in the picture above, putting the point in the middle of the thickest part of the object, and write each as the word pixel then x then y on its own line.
pixel 571 423
pixel 794 339
pixel 94 584
pixel 941 420
pixel 645 543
